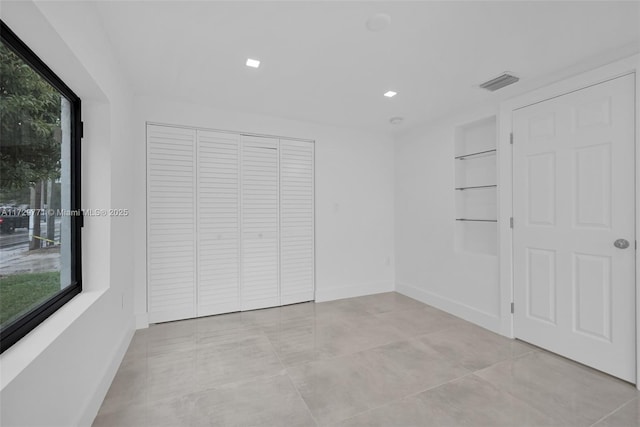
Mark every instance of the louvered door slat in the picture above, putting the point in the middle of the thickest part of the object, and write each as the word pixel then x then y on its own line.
pixel 296 222
pixel 218 223
pixel 260 231
pixel 171 223
pixel 230 222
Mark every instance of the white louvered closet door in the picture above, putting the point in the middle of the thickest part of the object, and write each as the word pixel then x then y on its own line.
pixel 218 223
pixel 296 222
pixel 259 165
pixel 171 223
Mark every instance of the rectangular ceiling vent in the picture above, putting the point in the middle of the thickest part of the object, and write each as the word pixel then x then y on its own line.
pixel 499 82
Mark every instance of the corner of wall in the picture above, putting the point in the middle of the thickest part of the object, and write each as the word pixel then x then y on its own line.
pixel 142 320
pixel 352 290
pixel 464 311
pixel 428 266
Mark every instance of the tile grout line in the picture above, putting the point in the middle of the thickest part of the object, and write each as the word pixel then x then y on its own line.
pixel 401 339
pixel 518 398
pixel 334 358
pixel 614 411
pixel 510 358
pixel 304 402
pixel 199 389
pixel 468 374
pixel 408 396
pixel 286 371
pixel 264 376
pixel 286 368
pixel 258 330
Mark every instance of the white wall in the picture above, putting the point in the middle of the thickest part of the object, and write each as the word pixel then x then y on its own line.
pixel 428 267
pixel 59 373
pixel 475 287
pixel 354 195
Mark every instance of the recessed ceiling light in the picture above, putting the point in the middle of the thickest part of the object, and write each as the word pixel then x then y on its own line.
pixel 378 22
pixel 396 120
pixel 390 94
pixel 253 63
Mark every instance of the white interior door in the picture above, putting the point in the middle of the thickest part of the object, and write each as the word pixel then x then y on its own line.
pixel 171 223
pixel 218 223
pixel 296 222
pixel 260 223
pixel 573 162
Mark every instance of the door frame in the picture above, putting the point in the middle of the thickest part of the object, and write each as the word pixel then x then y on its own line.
pixel 630 65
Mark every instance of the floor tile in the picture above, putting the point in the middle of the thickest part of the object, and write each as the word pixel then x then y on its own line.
pixel 627 416
pixel 234 361
pixel 142 415
pixel 333 389
pixel 172 336
pixel 268 316
pixel 272 401
pixel 156 378
pixel 170 375
pixel 342 309
pixel 474 347
pixel 364 332
pixel 381 359
pixel 420 321
pixel 388 301
pixel 307 339
pixel 128 387
pixel 568 392
pixel 402 368
pixel 407 412
pixel 338 388
pixel 178 373
pixel 138 345
pixel 224 328
pixel 469 401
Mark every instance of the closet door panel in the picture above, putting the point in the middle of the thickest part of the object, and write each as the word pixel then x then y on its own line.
pixel 171 223
pixel 296 222
pixel 218 289
pixel 260 234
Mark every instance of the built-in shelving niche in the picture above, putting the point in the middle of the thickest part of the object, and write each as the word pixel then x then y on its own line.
pixel 476 191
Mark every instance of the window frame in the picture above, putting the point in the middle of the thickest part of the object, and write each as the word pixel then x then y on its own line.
pixel 17 329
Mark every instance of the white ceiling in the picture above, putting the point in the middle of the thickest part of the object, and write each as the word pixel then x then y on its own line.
pixel 321 64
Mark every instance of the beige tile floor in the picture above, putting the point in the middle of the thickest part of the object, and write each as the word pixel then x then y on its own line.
pixel 379 360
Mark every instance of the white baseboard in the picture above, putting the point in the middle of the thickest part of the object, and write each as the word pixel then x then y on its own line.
pixel 93 405
pixel 349 291
pixel 142 321
pixel 481 318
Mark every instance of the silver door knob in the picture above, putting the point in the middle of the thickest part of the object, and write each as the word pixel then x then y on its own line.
pixel 621 243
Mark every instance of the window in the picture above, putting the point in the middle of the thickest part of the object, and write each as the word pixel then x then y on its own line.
pixel 40 217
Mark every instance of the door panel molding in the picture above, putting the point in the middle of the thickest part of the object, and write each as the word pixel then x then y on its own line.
pixel 595 319
pixel 629 65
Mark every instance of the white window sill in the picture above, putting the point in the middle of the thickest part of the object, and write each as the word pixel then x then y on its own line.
pixel 25 351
